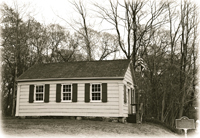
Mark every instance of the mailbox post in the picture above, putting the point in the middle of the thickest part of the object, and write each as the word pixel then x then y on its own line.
pixel 185 123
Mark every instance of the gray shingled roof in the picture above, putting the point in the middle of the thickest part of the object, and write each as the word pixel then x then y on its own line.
pixel 80 69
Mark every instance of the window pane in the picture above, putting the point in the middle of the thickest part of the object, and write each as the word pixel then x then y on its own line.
pixel 67 92
pixel 63 88
pixel 39 97
pixel 69 96
pixel 69 88
pixel 96 92
pixel 39 93
pixel 39 88
pixel 66 88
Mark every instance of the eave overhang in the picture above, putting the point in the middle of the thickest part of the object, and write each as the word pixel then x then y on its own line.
pixel 70 79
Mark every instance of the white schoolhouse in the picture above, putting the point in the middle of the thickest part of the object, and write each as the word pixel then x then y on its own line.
pixel 83 88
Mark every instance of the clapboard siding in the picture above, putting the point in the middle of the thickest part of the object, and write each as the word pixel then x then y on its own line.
pixel 110 99
pixel 70 114
pixel 70 104
pixel 128 76
pixel 125 105
pixel 125 111
pixel 79 108
pixel 69 110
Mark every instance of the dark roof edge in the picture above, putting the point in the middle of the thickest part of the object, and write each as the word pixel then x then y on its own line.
pixel 89 61
pixel 67 79
pixel 83 61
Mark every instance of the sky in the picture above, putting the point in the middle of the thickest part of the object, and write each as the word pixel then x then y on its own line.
pixel 51 11
pixel 47 11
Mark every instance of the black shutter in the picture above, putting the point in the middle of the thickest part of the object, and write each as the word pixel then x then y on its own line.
pixel 87 92
pixel 74 93
pixel 58 92
pixel 104 92
pixel 46 95
pixel 31 93
pixel 125 100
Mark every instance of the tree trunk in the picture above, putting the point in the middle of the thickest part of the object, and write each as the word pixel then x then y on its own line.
pixel 163 107
pixel 14 93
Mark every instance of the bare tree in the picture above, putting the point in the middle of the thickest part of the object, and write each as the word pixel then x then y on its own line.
pixel 131 20
pixel 14 43
pixel 81 26
pixel 108 45
pixel 90 40
pixel 188 28
pixel 111 16
pixel 57 37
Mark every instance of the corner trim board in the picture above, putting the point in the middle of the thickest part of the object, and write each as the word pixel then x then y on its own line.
pixel 17 103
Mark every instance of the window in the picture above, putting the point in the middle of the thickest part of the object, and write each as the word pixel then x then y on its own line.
pixel 39 94
pixel 96 92
pixel 133 96
pixel 66 93
pixel 125 99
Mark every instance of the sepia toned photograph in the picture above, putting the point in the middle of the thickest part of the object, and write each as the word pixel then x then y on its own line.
pixel 99 68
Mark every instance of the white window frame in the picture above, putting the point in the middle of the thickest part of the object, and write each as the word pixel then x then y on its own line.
pixel 66 92
pixel 100 92
pixel 40 92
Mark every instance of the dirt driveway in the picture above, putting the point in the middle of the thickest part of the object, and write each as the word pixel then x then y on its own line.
pixel 13 127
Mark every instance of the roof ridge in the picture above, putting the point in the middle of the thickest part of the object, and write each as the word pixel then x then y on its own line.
pixel 85 61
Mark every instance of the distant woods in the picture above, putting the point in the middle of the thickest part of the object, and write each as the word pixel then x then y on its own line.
pixel 164 34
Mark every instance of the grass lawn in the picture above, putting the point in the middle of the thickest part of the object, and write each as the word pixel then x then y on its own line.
pixel 13 127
